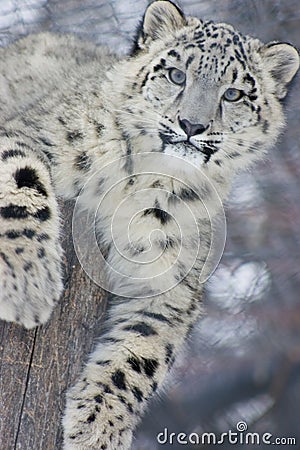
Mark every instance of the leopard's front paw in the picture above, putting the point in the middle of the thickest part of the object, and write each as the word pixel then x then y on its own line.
pixel 30 277
pixel 30 251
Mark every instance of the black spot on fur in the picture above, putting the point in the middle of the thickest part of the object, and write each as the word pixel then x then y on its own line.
pixel 41 253
pixel 50 156
pixel 99 127
pixel 169 354
pixel 13 234
pixel 266 126
pixel 248 78
pixel 6 260
pixel 27 177
pixel 106 388
pixel 173 197
pixel 98 398
pixel 167 243
pixel 83 161
pixel 175 54
pixel 29 233
pixel 12 153
pixel 150 366
pixel 36 319
pixel 131 181
pixel 46 142
pixel 128 165
pixel 135 364
pixel 165 140
pixel 154 386
pixel 42 214
pixel 157 184
pixel 118 378
pixel 173 308
pixel 19 250
pixel 27 266
pixel 7 133
pixel 14 212
pixel 129 408
pixel 187 194
pixel 234 155
pixel 138 394
pixel 234 75
pixel 189 60
pixel 257 144
pixel 122 399
pixel 43 237
pixel 62 121
pixel 128 405
pixel 157 67
pixel 142 328
pixel 252 97
pixel 145 80
pixel 74 136
pixel 91 418
pixel 111 340
pixel 103 363
pixel 23 145
pixel 208 151
pixel 137 249
pixel 158 213
pixel 156 316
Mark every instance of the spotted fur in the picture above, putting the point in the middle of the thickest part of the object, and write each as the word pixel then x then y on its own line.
pixel 194 91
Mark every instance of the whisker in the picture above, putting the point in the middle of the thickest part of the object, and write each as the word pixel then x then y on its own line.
pixel 248 143
pixel 140 110
pixel 140 118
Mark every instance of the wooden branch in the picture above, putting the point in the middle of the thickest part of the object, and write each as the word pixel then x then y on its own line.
pixel 37 366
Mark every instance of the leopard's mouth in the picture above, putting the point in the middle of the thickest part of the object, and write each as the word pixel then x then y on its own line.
pixel 206 149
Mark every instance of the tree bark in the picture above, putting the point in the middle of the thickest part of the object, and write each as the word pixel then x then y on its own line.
pixel 37 366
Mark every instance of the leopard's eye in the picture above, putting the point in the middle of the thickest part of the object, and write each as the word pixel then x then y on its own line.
pixel 176 76
pixel 233 95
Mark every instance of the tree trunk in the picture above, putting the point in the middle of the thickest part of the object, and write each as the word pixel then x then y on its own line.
pixel 37 366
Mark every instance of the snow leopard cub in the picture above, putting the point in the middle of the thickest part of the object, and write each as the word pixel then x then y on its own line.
pixel 155 136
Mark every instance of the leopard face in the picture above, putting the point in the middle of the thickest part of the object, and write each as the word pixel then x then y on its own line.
pixel 210 94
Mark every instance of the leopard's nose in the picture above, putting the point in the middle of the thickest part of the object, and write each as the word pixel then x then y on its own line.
pixel 191 129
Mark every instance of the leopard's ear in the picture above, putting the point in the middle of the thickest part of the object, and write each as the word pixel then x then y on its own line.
pixel 161 18
pixel 282 62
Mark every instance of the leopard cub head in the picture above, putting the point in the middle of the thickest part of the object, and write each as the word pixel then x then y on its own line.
pixel 204 92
